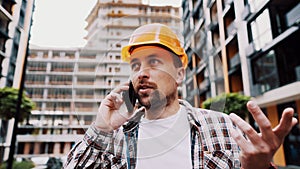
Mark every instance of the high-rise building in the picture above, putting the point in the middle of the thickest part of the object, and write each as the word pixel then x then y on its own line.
pixel 250 47
pixel 15 24
pixel 68 84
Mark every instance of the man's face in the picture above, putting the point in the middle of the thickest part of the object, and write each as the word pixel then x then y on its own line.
pixel 154 76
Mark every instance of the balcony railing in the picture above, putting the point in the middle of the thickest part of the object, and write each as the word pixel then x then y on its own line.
pixel 86 70
pixel 85 83
pixel 62 70
pixel 37 69
pixel 60 82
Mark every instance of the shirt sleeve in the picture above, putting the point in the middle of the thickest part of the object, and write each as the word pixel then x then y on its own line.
pixel 95 150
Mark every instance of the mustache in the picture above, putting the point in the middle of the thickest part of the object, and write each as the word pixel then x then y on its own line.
pixel 142 84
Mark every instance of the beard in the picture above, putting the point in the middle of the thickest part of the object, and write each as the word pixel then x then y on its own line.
pixel 156 101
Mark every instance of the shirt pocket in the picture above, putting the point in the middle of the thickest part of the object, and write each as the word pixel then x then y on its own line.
pixel 222 159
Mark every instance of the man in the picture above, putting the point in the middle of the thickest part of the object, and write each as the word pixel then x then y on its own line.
pixel 165 132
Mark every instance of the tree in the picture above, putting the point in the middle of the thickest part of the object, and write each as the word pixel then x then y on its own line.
pixel 228 103
pixel 8 104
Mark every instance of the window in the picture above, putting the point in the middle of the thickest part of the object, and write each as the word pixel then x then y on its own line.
pixel 265 75
pixel 117 69
pixel 117 82
pixel 118 45
pixel 260 32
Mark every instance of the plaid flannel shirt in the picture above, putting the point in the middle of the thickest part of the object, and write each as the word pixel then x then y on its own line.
pixel 211 144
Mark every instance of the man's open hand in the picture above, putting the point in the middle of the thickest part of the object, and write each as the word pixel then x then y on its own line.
pixel 257 151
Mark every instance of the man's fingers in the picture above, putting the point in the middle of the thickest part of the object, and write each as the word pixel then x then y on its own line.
pixel 240 140
pixel 246 128
pixel 286 123
pixel 262 121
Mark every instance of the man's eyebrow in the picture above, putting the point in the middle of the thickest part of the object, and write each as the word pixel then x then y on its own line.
pixel 133 60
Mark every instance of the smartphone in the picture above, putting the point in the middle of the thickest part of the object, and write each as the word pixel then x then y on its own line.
pixel 129 97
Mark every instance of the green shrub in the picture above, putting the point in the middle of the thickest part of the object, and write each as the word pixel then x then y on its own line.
pixel 26 164
pixel 228 103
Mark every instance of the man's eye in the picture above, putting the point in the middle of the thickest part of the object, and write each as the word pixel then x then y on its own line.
pixel 135 66
pixel 153 62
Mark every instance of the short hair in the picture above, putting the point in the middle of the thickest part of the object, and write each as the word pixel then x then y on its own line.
pixel 176 58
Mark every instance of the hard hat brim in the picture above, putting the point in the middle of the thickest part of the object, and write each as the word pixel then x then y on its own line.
pixel 125 52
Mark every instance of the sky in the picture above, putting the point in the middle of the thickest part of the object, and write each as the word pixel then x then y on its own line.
pixel 61 23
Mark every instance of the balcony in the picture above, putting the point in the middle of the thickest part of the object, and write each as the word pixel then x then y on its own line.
pixel 62 69
pixel 59 96
pixel 37 69
pixel 85 82
pixel 35 82
pixel 86 70
pixel 85 96
pixel 36 96
pixel 115 74
pixel 61 82
pixel 84 109
pixel 89 61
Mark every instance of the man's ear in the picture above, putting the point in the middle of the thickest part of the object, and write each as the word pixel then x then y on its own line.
pixel 180 75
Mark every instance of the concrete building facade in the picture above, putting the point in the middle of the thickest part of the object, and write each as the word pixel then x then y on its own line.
pixel 15 24
pixel 249 47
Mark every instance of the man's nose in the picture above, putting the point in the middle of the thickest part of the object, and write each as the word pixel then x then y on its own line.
pixel 144 73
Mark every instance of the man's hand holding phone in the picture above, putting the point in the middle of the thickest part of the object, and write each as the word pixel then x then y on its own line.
pixel 116 108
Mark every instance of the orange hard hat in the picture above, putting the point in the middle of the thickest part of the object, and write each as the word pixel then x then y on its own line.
pixel 155 33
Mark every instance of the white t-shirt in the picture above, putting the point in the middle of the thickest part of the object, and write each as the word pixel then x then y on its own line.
pixel 164 143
